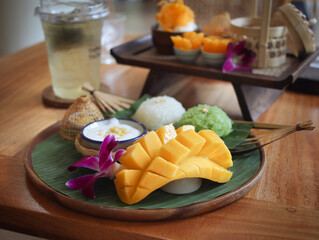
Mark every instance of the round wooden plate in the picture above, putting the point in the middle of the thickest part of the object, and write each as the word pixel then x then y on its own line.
pixel 134 214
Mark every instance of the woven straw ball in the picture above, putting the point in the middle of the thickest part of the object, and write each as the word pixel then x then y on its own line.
pixel 82 112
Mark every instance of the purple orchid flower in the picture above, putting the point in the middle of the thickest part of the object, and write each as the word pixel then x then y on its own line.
pixel 103 164
pixel 238 58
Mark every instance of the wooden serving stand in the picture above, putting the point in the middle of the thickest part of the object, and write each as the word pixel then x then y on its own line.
pixel 255 91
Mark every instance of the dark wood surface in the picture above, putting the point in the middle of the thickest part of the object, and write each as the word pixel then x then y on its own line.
pixel 283 205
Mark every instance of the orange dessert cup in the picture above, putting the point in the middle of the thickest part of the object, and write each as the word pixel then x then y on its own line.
pixel 174 18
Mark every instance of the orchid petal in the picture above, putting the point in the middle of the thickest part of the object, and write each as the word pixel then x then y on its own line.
pixel 106 149
pixel 240 55
pixel 118 154
pixel 230 49
pixel 91 162
pixel 103 164
pixel 228 66
pixel 80 182
pixel 240 47
pixel 85 184
pixel 248 58
pixel 107 164
pixel 111 161
pixel 88 188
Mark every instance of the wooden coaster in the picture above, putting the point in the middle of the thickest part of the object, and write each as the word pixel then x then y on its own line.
pixel 49 99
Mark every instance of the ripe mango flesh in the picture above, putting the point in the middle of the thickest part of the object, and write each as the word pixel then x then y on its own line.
pixel 175 155
pixel 151 143
pixel 166 133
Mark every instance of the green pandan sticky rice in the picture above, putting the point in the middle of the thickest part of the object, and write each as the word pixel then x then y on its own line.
pixel 205 116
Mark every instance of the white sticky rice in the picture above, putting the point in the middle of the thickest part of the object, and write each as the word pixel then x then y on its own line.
pixel 159 111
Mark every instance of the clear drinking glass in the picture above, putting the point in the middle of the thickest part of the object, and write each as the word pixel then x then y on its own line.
pixel 113 31
pixel 73 40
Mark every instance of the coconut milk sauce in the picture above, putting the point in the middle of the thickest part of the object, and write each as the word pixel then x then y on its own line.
pixel 120 131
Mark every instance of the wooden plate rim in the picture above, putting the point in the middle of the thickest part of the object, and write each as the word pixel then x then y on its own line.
pixel 133 214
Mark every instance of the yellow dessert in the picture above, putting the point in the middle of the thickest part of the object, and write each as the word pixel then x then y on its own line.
pixel 176 17
pixel 215 44
pixel 189 40
pixel 181 154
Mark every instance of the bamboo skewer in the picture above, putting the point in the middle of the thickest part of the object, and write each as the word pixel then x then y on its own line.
pixel 107 101
pixel 274 133
pixel 264 125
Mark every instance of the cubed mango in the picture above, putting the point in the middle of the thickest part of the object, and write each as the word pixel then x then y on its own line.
pixel 151 143
pixel 192 140
pixel 135 157
pixel 173 151
pixel 184 128
pixel 162 167
pixel 166 133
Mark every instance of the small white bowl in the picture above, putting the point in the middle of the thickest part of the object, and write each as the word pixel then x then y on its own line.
pixel 187 56
pixel 214 59
pixel 93 136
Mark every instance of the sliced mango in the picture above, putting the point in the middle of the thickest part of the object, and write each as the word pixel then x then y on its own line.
pixel 166 133
pixel 162 167
pixel 151 143
pixel 135 157
pixel 184 155
pixel 189 168
pixel 129 177
pixel 125 193
pixel 173 151
pixel 207 169
pixel 215 149
pixel 192 140
pixel 184 128
pixel 152 181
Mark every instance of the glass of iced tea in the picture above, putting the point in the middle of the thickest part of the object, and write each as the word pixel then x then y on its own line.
pixel 113 32
pixel 72 32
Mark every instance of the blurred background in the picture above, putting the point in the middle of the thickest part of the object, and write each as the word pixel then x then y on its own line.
pixel 20 28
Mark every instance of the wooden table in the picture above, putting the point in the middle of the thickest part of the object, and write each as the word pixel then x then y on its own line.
pixel 283 205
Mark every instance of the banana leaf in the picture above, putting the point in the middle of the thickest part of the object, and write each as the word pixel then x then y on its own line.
pixel 238 135
pixel 52 157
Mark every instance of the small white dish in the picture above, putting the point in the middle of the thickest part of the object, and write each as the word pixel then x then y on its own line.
pixel 186 56
pixel 214 59
pixel 126 131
